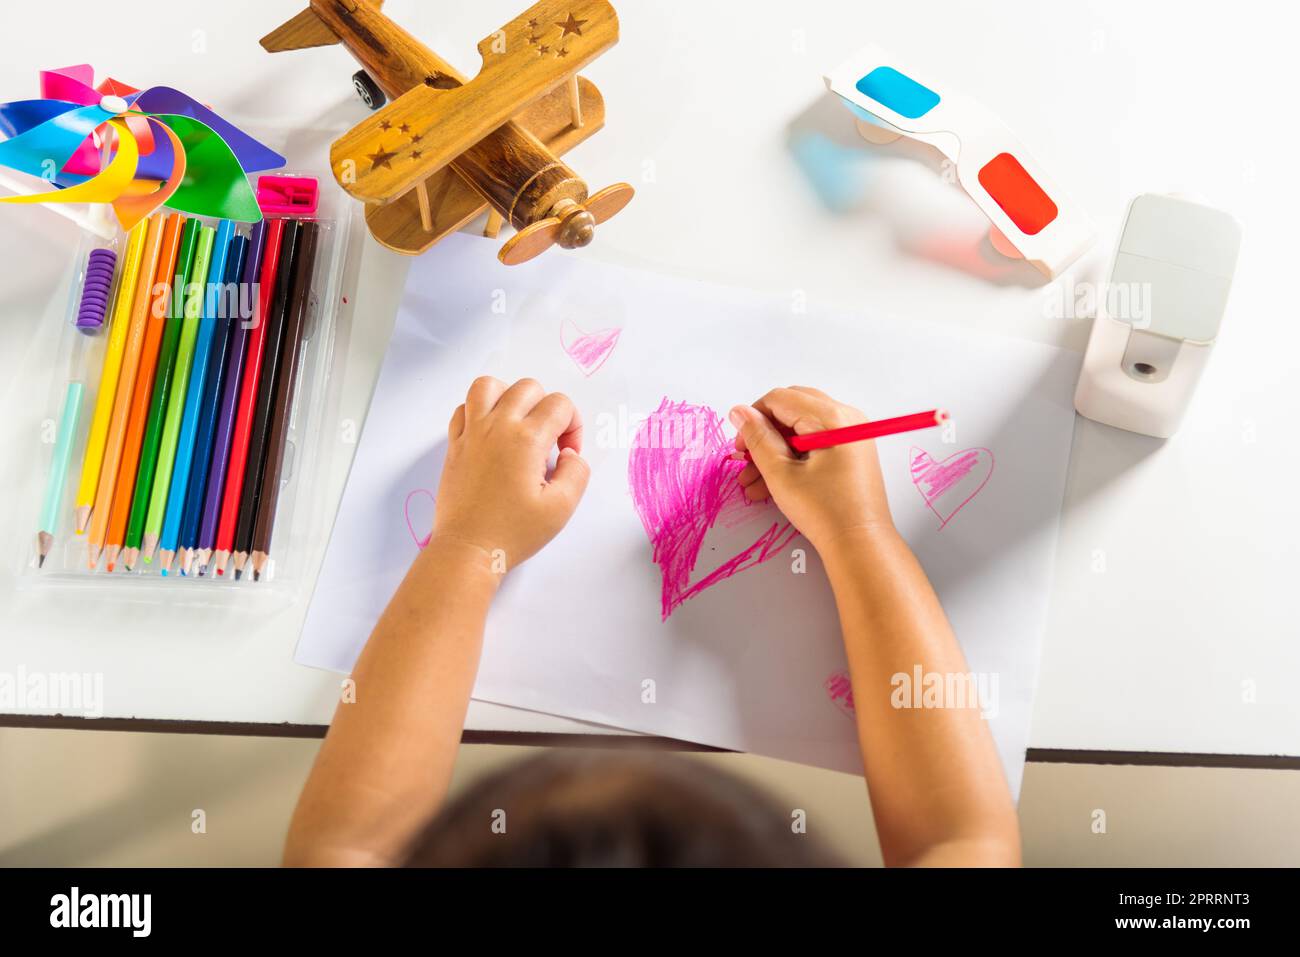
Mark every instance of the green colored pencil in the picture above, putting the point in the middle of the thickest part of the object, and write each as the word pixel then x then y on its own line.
pixel 158 399
pixel 195 289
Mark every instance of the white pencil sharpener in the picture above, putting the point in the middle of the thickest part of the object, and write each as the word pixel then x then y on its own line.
pixel 1159 314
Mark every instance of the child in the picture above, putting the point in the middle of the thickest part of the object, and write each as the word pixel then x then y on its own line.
pixel 937 788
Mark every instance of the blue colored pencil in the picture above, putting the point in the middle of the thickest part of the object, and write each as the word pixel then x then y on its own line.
pixel 213 496
pixel 224 320
pixel 186 437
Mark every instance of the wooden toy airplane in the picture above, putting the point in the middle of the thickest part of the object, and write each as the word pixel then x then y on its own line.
pixel 447 147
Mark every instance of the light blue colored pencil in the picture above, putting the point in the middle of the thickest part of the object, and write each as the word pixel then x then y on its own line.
pixel 50 508
pixel 180 481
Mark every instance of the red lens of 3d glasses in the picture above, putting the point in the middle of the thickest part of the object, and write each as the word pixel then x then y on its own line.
pixel 1020 197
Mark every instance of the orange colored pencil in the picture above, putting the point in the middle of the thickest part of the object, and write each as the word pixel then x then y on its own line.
pixel 130 458
pixel 126 380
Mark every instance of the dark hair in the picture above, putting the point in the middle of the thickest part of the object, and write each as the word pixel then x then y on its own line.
pixel 613 809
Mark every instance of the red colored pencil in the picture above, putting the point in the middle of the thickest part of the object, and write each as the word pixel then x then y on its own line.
pixel 867 430
pixel 247 398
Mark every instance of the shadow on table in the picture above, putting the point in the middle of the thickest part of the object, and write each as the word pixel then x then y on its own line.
pixel 906 185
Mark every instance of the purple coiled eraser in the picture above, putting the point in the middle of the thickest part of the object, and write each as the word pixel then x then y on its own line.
pixel 95 292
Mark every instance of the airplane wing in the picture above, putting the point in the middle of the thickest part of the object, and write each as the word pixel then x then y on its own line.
pixel 453 202
pixel 302 31
pixel 425 128
pixel 298 33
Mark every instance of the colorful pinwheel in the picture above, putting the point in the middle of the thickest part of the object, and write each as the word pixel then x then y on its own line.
pixel 137 150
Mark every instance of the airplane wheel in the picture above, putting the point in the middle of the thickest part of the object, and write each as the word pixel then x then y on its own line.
pixel 368 90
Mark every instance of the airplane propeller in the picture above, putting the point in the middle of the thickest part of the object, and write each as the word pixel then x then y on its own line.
pixel 570 225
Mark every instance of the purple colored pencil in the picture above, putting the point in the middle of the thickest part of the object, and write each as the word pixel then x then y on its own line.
pixel 229 399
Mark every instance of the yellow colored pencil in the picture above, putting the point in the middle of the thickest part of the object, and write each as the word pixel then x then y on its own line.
pixel 121 319
pixel 122 401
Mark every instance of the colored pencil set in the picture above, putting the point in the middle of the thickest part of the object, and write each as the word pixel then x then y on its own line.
pixel 185 447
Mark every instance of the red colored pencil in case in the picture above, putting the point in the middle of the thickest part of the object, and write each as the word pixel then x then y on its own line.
pixel 867 430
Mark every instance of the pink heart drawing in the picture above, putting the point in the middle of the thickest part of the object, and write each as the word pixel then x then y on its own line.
pixel 423 516
pixel 948 485
pixel 588 350
pixel 840 690
pixel 683 484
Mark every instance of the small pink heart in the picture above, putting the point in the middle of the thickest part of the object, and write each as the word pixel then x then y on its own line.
pixel 948 485
pixel 588 350
pixel 423 515
pixel 840 690
pixel 683 483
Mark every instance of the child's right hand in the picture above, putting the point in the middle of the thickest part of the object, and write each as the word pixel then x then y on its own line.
pixel 826 494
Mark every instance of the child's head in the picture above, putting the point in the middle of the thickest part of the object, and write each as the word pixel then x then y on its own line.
pixel 613 809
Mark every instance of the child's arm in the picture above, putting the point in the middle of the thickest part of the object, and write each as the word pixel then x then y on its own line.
pixel 937 788
pixel 387 760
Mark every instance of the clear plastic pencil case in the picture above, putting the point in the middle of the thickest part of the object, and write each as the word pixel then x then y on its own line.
pixel 159 389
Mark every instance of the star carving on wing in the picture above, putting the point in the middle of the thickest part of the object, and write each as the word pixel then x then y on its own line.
pixel 571 26
pixel 382 158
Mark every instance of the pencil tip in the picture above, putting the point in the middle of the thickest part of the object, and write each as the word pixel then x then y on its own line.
pixel 40 562
pixel 257 576
pixel 238 572
pixel 164 573
pixel 110 566
pixel 148 560
pixel 221 571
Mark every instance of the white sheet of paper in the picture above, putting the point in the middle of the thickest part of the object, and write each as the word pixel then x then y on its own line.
pixel 577 631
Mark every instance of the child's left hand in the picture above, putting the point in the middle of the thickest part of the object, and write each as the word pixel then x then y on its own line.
pixel 495 493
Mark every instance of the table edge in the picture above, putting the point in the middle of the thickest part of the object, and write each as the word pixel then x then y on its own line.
pixel 563 739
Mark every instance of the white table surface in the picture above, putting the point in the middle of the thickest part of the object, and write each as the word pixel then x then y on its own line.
pixel 1172 626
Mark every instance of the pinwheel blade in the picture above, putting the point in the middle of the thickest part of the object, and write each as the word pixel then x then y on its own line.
pixel 214 183
pixel 250 154
pixel 88 159
pixel 44 150
pixel 18 117
pixel 70 83
pixel 104 188
pixel 112 87
pixel 132 206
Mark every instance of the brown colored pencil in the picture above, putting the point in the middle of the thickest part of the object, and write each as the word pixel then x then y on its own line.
pixel 286 381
